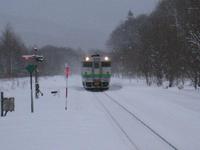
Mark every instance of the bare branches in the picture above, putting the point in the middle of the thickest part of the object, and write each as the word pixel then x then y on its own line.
pixel 165 46
pixel 194 39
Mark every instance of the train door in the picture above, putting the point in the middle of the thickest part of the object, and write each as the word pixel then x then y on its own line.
pixel 97 72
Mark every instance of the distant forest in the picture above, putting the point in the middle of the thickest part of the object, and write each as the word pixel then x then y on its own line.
pixel 13 65
pixel 161 46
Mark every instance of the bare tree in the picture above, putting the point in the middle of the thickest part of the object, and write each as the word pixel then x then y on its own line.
pixel 12 49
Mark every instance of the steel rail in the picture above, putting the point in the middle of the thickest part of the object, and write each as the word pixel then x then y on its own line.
pixel 117 123
pixel 141 121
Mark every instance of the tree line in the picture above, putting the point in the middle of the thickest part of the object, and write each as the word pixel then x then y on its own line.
pixel 161 46
pixel 13 65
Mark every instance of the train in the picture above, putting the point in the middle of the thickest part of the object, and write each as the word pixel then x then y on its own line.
pixel 96 72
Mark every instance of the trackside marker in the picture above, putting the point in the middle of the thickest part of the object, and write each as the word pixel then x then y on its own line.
pixel 67 72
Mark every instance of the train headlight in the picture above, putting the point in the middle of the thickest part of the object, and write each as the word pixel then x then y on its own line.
pixel 106 58
pixel 87 58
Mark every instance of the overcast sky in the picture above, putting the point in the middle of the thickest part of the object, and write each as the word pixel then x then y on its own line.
pixel 73 23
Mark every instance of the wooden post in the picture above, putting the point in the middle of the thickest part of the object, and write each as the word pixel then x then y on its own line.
pixel 1 104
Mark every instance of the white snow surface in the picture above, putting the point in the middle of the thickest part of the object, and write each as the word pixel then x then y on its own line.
pixel 172 113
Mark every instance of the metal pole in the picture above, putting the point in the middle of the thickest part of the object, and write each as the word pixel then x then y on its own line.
pixel 36 84
pixel 36 75
pixel 1 104
pixel 31 83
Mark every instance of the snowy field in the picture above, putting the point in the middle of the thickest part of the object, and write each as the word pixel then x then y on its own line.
pixel 168 118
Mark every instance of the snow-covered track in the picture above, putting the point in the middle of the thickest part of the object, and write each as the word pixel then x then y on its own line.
pixel 117 124
pixel 134 116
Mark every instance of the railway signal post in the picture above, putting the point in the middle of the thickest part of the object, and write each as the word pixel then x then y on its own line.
pixel 37 59
pixel 67 71
pixel 31 69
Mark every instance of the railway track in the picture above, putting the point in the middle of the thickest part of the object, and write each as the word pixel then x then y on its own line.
pixel 118 124
pixel 133 117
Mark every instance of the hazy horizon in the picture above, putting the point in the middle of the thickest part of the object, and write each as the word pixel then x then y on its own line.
pixel 72 23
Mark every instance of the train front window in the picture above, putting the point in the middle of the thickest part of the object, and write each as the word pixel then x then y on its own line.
pixel 105 64
pixel 87 64
pixel 96 65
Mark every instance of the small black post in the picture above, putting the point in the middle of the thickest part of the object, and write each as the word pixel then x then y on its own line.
pixel 31 83
pixel 1 104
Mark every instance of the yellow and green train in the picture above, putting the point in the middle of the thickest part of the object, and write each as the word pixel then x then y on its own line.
pixel 96 72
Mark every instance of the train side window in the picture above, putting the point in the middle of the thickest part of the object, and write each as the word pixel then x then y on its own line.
pixel 105 64
pixel 87 64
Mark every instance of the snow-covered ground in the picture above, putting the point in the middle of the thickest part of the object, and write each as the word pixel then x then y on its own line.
pixel 174 114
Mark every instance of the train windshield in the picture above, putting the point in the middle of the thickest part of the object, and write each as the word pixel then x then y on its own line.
pixel 87 64
pixel 96 65
pixel 105 64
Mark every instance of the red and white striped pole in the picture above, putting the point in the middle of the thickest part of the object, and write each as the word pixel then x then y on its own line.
pixel 67 72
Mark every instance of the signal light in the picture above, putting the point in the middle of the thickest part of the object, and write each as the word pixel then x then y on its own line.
pixel 27 57
pixel 39 58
